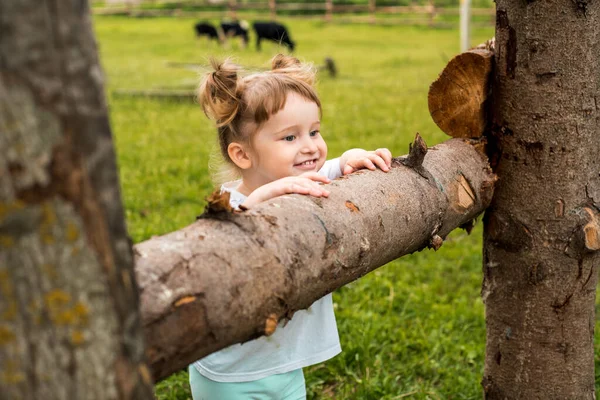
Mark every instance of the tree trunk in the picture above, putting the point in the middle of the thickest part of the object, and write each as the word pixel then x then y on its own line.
pixel 231 276
pixel 70 325
pixel 541 231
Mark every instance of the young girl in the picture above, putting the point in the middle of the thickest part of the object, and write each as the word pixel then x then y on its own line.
pixel 269 133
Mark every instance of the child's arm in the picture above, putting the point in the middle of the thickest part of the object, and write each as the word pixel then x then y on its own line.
pixel 308 183
pixel 303 184
pixel 355 159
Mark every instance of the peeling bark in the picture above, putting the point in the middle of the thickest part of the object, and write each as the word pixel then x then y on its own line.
pixel 69 326
pixel 540 240
pixel 231 276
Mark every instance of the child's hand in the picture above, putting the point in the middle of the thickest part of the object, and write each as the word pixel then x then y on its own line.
pixel 302 184
pixel 355 159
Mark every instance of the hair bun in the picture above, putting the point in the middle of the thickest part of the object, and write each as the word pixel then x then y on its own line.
pixel 291 66
pixel 225 78
pixel 281 61
pixel 218 92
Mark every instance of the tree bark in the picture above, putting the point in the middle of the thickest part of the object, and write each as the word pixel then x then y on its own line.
pixel 69 326
pixel 231 276
pixel 541 231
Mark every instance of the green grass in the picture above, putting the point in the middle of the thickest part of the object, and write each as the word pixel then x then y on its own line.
pixel 200 5
pixel 411 329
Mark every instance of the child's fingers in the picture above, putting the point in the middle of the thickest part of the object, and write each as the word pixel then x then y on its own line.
pixel 360 163
pixel 296 188
pixel 307 186
pixel 313 176
pixel 380 162
pixel 368 162
pixel 386 155
pixel 319 192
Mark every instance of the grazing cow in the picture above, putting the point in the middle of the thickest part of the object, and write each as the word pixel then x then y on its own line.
pixel 208 30
pixel 272 31
pixel 236 28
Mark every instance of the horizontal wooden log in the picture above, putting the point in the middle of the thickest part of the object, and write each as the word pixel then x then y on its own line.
pixel 253 6
pixel 420 20
pixel 406 9
pixel 187 95
pixel 301 6
pixel 350 8
pixel 491 11
pixel 224 278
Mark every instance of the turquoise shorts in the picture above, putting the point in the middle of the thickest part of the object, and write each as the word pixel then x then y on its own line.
pixel 288 386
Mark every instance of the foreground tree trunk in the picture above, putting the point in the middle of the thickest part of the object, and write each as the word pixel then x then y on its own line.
pixel 231 276
pixel 541 231
pixel 69 325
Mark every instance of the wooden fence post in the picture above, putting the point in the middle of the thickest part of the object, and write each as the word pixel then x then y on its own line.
pixel 431 10
pixel 129 5
pixel 465 25
pixel 328 10
pixel 372 11
pixel 232 9
pixel 273 9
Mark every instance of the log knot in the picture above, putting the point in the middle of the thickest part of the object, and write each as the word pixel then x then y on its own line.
pixel 591 230
pixel 585 237
pixel 351 206
pixel 217 205
pixel 270 324
pixel 581 6
pixel 219 201
pixel 436 242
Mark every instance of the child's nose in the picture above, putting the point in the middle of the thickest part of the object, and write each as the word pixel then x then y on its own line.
pixel 309 145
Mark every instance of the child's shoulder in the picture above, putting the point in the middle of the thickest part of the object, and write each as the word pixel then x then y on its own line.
pixel 331 169
pixel 235 197
pixel 230 186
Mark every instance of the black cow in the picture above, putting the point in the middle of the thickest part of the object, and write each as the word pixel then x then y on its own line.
pixel 207 29
pixel 236 28
pixel 272 31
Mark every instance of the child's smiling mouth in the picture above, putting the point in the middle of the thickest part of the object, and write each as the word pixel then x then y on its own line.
pixel 308 164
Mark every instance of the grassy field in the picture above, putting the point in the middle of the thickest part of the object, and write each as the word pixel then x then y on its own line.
pixel 412 329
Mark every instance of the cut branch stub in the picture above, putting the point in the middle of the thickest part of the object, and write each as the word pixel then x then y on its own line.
pixel 218 202
pixel 417 151
pixel 416 154
pixel 457 99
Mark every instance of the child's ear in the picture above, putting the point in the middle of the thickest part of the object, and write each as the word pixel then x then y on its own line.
pixel 238 153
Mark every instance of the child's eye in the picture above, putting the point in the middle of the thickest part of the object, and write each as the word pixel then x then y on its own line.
pixel 314 133
pixel 289 138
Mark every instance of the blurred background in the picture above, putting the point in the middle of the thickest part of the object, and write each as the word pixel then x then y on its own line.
pixel 412 329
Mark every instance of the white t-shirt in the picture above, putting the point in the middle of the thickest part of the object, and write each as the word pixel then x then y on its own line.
pixel 310 337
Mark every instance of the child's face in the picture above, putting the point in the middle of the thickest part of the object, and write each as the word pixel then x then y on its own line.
pixel 288 144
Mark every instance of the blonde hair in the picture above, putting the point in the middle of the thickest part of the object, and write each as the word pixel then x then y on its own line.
pixel 240 104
